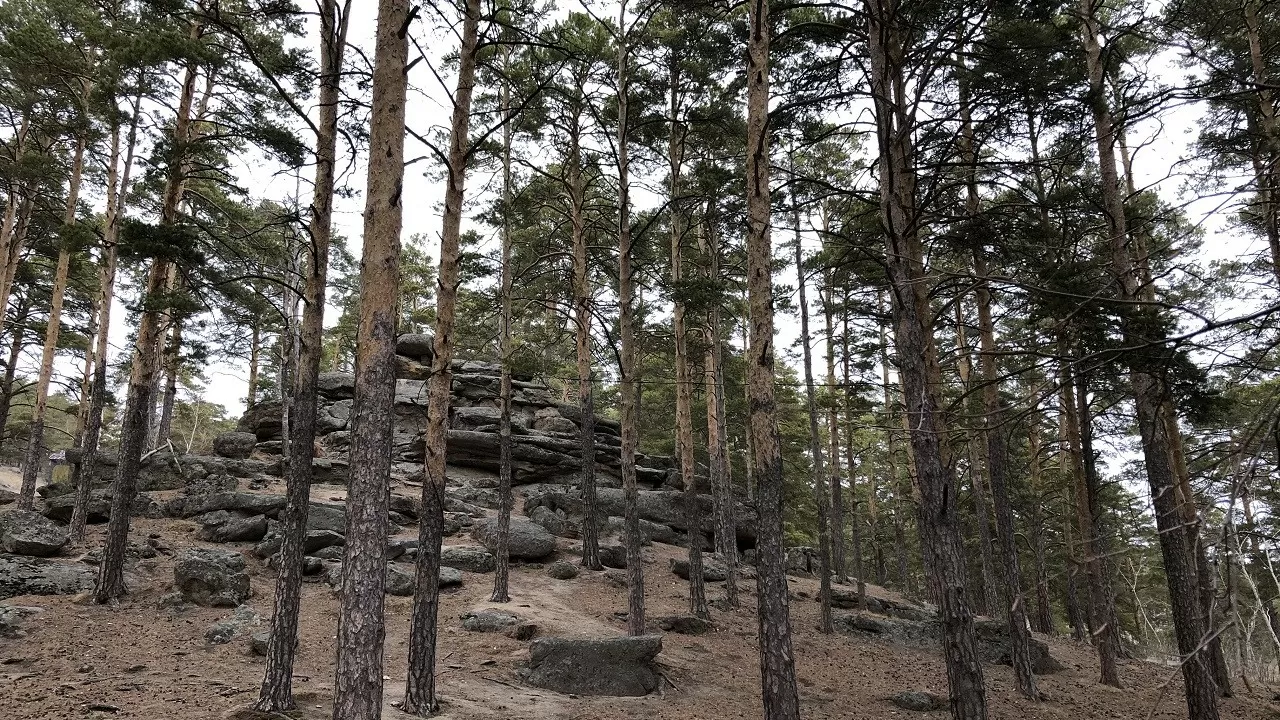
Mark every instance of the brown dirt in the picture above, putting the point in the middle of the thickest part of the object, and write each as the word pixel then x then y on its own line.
pixel 150 663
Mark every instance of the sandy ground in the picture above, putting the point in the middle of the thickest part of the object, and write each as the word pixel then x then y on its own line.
pixel 149 663
pixel 11 478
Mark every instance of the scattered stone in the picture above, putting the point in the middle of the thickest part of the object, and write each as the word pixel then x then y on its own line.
pixel 488 620
pixel 21 575
pixel 223 632
pixel 527 540
pixel 450 577
pixel 399 582
pixel 212 578
pixel 617 666
pixel 523 632
pixel 613 556
pixel 221 526
pixel 713 569
pixel 615 578
pixel 333 552
pixel 258 643
pixel 468 557
pixel 12 617
pixel 562 570
pixel 685 624
pixel 235 445
pixel 23 532
pixel 549 519
pixel 918 701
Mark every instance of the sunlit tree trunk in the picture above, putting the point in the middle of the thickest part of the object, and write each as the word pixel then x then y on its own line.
pixel 420 689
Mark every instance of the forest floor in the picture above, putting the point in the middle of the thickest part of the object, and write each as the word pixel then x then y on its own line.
pixel 138 660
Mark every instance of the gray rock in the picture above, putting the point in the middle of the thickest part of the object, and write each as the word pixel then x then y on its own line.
pixel 995 646
pixel 713 569
pixel 315 541
pixel 326 516
pixel 399 582
pixel 235 445
pixel 12 617
pixel 223 632
pixel 221 526
pixel 613 556
pixel 450 577
pixel 918 701
pixel 8 497
pixel 212 578
pixel 264 420
pixel 488 620
pixel 416 345
pixel 410 369
pixel 259 642
pixel 527 540
pixel 468 557
pixel 331 553
pixel 23 532
pixel 548 519
pixel 562 570
pixel 245 502
pixel 21 575
pixel 617 666
pixel 336 385
pixel 685 624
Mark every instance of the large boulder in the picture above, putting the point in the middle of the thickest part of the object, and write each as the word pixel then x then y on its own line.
pixel 918 701
pixel 617 666
pixel 212 578
pixel 488 620
pixel 235 445
pixel 664 507
pixel 713 568
pixel 527 540
pixel 12 617
pixel 245 502
pixel 25 576
pixel 221 526
pixel 265 421
pixel 336 385
pixel 468 557
pixel 98 510
pixel 995 646
pixel 420 346
pixel 23 532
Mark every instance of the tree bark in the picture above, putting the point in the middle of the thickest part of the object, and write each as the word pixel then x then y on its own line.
pixel 997 468
pixel 1043 618
pixel 1092 543
pixel 276 694
pixel 582 307
pixel 173 365
pixel 1140 325
pixel 918 362
pixel 777 662
pixel 501 573
pixel 680 331
pixel 901 497
pixel 726 533
pixel 819 476
pixel 628 385
pixel 36 451
pixel 10 238
pixel 977 467
pixel 420 689
pixel 833 420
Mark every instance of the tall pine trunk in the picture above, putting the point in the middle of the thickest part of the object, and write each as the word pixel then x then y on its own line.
pixel 420 688
pixel 722 503
pixel 816 452
pixel 902 496
pixel 918 365
pixel 503 554
pixel 990 603
pixel 145 362
pixel 12 229
pixel 173 365
pixel 628 385
pixel 1140 325
pixel 36 451
pixel 680 331
pixel 998 469
pixel 582 307
pixel 276 694
pixel 777 661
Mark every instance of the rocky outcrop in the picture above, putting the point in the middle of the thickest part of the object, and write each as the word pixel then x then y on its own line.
pixel 617 666
pixel 527 541
pixel 26 576
pixel 713 568
pixel 663 507
pixel 235 445
pixel 992 637
pixel 212 578
pixel 222 526
pixel 23 532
